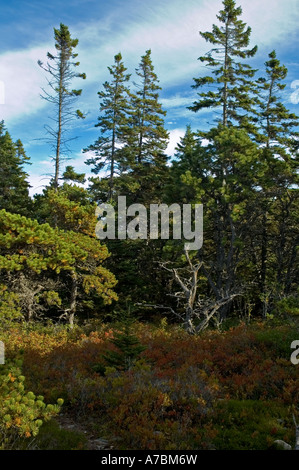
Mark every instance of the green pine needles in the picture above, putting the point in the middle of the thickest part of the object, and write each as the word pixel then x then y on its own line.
pixel 128 348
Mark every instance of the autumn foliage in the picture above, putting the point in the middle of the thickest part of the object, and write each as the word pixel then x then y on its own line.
pixel 182 393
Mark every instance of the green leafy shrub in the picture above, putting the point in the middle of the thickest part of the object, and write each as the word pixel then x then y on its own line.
pixel 52 437
pixel 251 425
pixel 21 412
pixel 9 306
pixel 288 305
pixel 277 340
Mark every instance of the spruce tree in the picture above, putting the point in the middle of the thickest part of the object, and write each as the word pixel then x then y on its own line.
pixel 230 88
pixel 61 69
pixel 186 166
pixel 149 138
pixel 113 122
pixel 226 176
pixel 142 182
pixel 277 198
pixel 14 190
pixel 279 127
pixel 71 175
pixel 127 346
pixel 186 150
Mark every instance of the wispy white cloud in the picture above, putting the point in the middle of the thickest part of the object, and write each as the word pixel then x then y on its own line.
pixel 294 97
pixel 169 28
pixel 2 92
pixel 177 101
pixel 174 138
pixel 37 182
pixel 172 33
pixel 22 78
pixel 272 21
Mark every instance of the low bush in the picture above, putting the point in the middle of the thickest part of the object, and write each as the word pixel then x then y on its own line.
pixel 21 412
pixel 230 389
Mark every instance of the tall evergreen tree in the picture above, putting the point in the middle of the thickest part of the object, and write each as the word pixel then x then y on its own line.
pixel 186 150
pixel 277 197
pixel 279 127
pixel 235 94
pixel 113 124
pixel 149 138
pixel 222 179
pixel 143 182
pixel 185 169
pixel 61 70
pixel 14 190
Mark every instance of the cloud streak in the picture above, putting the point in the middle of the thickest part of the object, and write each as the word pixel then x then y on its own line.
pixel 22 79
pixel 294 98
pixel 169 28
pixel 172 32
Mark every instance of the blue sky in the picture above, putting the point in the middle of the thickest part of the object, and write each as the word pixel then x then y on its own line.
pixel 170 28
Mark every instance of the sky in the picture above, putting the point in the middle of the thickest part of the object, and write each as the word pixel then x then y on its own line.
pixel 170 28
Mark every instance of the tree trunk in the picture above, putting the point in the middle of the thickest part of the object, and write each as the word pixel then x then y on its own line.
pixel 73 304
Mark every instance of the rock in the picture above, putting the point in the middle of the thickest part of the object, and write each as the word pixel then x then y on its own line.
pixel 100 444
pixel 281 445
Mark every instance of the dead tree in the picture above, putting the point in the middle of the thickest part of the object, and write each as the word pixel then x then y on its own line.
pixel 196 313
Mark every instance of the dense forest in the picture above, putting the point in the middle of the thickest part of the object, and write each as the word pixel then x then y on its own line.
pixel 145 343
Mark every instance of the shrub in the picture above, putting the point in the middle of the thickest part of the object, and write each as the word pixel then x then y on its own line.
pixel 251 425
pixel 169 398
pixel 52 437
pixel 21 412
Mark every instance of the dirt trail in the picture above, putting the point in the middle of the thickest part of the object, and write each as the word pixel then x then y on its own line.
pixel 93 442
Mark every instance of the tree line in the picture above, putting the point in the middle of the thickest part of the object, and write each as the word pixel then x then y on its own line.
pixel 243 169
